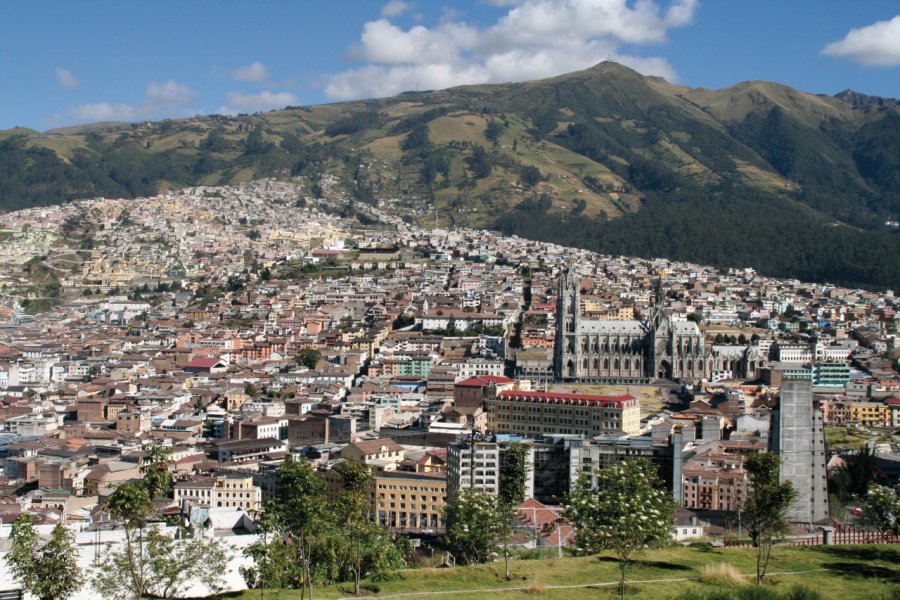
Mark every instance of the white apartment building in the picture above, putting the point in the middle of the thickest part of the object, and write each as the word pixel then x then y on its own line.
pixel 222 491
pixel 481 472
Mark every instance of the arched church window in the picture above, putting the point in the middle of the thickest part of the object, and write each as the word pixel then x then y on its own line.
pixel 616 364
pixel 699 365
pixel 627 364
pixel 605 363
pixel 596 364
pixel 637 363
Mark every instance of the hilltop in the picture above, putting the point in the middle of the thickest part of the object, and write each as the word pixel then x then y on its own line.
pixel 757 174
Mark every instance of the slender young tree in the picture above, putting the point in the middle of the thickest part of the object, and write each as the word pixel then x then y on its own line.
pixel 511 492
pixel 623 508
pixel 47 571
pixel 300 510
pixel 765 507
pixel 474 526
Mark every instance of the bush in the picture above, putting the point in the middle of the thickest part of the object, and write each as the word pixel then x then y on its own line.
pixel 701 545
pixel 722 574
pixel 799 592
pixel 757 592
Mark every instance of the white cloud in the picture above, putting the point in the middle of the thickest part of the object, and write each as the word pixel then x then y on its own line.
pixel 66 79
pixel 252 73
pixel 876 45
pixel 532 39
pixel 394 8
pixel 160 99
pixel 236 102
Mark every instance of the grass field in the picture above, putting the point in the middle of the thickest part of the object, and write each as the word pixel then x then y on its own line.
pixel 835 572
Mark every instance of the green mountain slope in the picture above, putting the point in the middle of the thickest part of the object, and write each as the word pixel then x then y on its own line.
pixel 757 174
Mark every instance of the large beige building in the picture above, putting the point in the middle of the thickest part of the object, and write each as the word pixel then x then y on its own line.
pixel 537 413
pixel 222 491
pixel 407 500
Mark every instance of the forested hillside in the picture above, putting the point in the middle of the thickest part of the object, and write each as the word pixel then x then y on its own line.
pixel 758 174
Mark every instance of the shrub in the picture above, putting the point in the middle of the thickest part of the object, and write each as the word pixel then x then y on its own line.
pixel 721 574
pixel 799 592
pixel 758 592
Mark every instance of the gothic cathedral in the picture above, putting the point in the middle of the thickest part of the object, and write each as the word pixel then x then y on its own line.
pixel 600 351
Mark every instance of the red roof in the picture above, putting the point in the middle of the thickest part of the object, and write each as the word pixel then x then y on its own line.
pixel 202 362
pixel 556 396
pixel 893 401
pixel 483 380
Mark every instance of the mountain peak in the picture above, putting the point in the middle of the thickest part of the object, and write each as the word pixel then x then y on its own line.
pixel 859 100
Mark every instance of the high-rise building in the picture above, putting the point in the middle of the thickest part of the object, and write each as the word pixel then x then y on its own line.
pixel 797 434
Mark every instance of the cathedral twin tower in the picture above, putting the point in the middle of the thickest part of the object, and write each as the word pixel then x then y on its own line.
pixel 608 351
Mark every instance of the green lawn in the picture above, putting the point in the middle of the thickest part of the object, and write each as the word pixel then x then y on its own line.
pixel 836 573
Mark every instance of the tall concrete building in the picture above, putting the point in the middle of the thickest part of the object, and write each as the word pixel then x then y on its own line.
pixel 798 436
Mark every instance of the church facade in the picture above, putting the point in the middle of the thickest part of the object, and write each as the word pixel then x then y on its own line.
pixel 637 351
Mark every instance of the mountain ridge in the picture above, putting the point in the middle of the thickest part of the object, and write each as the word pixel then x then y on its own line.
pixel 605 144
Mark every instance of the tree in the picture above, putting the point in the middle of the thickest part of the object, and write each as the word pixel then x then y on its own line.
pixel 366 549
pixel 138 563
pixel 480 162
pixel 765 507
pixel 168 566
pixel 858 471
pixel 308 357
pixel 473 526
pixel 155 469
pixel 417 139
pixel 511 492
pixel 881 508
pixel 531 175
pixel 623 508
pixel 493 131
pixel 299 512
pixel 47 571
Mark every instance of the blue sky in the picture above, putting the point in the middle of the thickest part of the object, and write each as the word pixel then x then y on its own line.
pixel 66 62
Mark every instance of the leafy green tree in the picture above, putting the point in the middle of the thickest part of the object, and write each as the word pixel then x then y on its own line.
pixel 480 163
pixel 156 469
pixel 853 478
pixel 623 508
pixel 511 492
pixel 474 526
pixel 493 131
pixel 308 357
pixel 47 571
pixel 417 139
pixel 365 548
pixel 274 563
pixel 130 502
pixel 881 508
pixel 300 512
pixel 531 175
pixel 169 566
pixel 765 507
